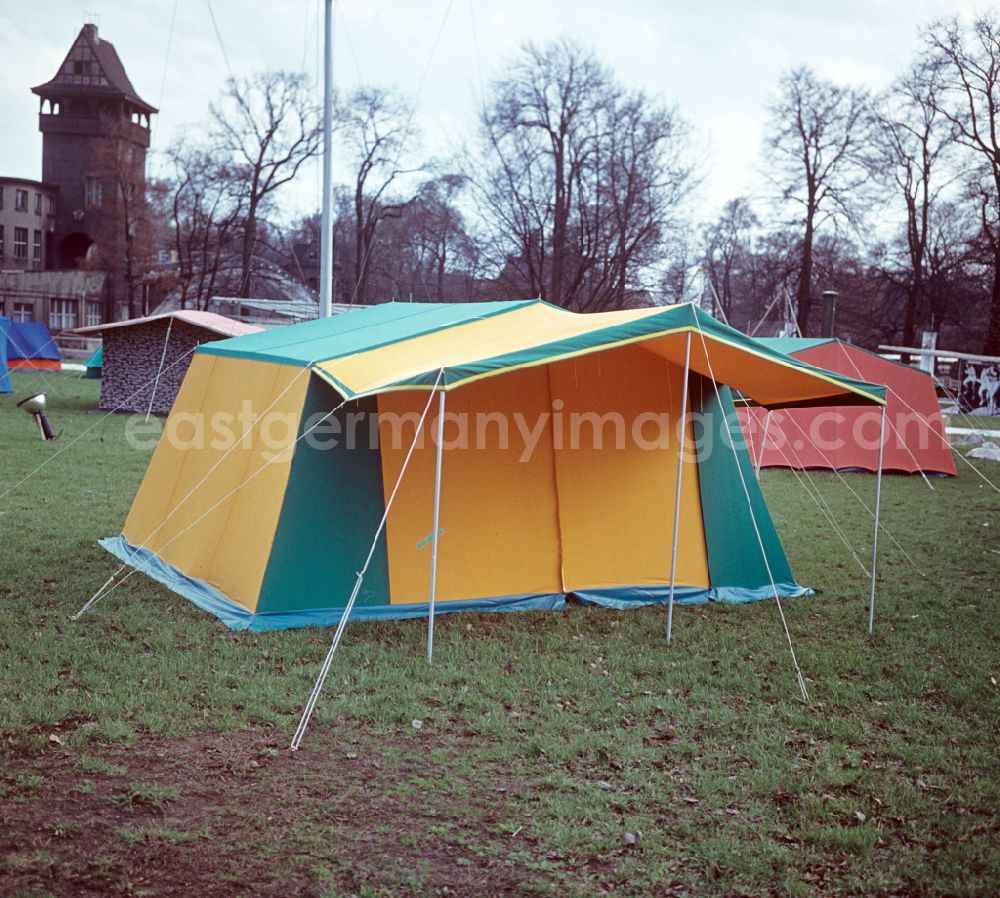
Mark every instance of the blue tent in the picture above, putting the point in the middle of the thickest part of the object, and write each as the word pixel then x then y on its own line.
pixel 4 376
pixel 30 346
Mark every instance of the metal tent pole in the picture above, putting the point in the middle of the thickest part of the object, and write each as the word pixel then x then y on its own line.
pixel 435 531
pixel 677 498
pixel 307 712
pixel 878 500
pixel 763 440
pixel 326 221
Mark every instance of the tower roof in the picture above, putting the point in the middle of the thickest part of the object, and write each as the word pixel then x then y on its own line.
pixel 91 67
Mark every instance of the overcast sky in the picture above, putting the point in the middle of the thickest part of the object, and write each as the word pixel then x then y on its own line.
pixel 718 61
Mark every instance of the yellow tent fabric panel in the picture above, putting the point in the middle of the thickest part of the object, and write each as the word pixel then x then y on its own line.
pixel 534 325
pixel 764 378
pixel 616 496
pixel 498 513
pixel 217 523
pixel 764 375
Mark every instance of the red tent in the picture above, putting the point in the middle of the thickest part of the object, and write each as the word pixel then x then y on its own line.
pixel 845 438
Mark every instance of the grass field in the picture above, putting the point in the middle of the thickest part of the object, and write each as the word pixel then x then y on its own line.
pixel 143 748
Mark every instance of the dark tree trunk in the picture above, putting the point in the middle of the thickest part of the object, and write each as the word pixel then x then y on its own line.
pixel 559 222
pixel 803 299
pixel 246 260
pixel 992 345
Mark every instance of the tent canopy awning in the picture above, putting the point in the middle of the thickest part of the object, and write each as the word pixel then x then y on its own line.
pixel 403 346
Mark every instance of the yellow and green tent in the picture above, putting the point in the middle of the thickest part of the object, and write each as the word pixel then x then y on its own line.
pixel 268 528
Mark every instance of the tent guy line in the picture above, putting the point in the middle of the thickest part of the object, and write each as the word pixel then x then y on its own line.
pixel 814 493
pixel 159 369
pixel 310 706
pixel 277 457
pixel 861 501
pixel 892 427
pixel 985 479
pixel 98 422
pixel 96 597
pixel 756 528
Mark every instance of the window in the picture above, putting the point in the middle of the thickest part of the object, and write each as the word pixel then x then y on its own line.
pixel 1 197
pixel 92 192
pixel 1 241
pixel 62 314
pixel 38 204
pixel 20 243
pixel 50 205
pixel 93 312
pixel 23 311
pixel 36 247
pixel 20 200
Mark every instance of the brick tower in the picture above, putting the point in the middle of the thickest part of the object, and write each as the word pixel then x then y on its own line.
pixel 92 120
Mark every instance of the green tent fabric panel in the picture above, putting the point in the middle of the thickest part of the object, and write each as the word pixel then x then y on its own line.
pixel 360 330
pixel 734 556
pixel 332 508
pixel 790 345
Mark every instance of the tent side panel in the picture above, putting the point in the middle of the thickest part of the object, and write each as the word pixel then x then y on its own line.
pixel 332 508
pixel 915 439
pixel 498 528
pixel 210 500
pixel 30 347
pixel 846 438
pixel 734 555
pixel 616 471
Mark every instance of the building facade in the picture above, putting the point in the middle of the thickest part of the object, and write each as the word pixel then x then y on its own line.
pixel 27 224
pixel 63 238
pixel 95 134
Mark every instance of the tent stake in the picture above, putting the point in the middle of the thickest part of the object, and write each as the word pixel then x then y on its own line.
pixel 677 498
pixel 435 531
pixel 878 499
pixel 763 440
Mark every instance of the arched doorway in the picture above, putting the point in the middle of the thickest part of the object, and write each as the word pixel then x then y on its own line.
pixel 73 250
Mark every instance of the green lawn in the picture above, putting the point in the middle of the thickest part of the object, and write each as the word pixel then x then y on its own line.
pixel 143 748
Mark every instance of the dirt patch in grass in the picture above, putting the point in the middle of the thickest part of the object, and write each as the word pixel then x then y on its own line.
pixel 238 814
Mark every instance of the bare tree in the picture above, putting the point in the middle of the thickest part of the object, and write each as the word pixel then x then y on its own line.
pixel 207 210
pixel 378 128
pixel 124 242
pixel 727 248
pixel 578 180
pixel 817 138
pixel 970 99
pixel 912 139
pixel 265 127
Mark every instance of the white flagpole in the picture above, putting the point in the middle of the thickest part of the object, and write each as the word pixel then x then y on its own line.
pixel 437 517
pixel 878 499
pixel 677 498
pixel 326 220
